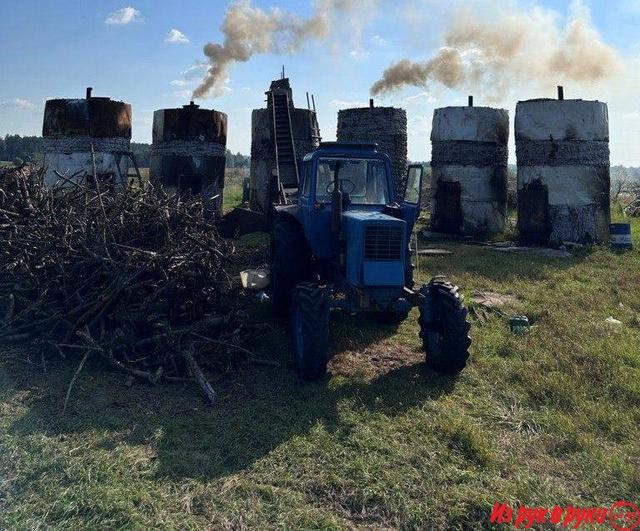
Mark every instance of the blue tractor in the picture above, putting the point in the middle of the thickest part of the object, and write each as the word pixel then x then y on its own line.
pixel 345 245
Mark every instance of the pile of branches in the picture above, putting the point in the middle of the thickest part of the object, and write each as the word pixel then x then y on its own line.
pixel 132 275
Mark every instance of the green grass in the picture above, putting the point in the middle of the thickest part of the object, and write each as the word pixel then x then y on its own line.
pixel 550 417
pixel 233 189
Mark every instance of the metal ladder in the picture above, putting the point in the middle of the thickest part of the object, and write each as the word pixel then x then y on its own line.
pixel 286 161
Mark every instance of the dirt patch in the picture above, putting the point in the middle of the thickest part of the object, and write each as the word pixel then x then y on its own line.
pixel 374 361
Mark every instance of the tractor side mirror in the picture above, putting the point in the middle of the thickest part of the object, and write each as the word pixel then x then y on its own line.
pixel 413 188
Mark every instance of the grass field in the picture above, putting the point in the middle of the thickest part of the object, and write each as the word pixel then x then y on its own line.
pixel 550 417
pixel 233 188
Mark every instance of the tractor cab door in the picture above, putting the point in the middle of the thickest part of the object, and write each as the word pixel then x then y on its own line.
pixel 411 201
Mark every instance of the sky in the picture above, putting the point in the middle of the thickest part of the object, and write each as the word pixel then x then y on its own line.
pixel 150 53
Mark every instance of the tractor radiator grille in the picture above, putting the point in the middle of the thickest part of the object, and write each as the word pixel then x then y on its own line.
pixel 383 243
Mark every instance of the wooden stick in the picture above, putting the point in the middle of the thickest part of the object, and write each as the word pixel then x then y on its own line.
pixel 199 377
pixel 73 380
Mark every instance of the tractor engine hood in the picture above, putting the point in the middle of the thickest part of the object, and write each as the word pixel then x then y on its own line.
pixel 375 249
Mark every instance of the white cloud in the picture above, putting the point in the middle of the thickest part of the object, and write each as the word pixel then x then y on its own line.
pixel 123 16
pixel 359 54
pixel 18 103
pixel 379 41
pixel 344 104
pixel 176 37
pixel 23 104
pixel 182 94
pixel 195 71
pixel 180 83
pixel 426 96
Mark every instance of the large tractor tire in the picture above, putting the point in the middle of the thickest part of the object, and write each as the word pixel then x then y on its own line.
pixel 309 322
pixel 444 328
pixel 289 262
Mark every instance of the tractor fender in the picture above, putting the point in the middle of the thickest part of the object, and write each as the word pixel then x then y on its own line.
pixel 291 212
pixel 425 302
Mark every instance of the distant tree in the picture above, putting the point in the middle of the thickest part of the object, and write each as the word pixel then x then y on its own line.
pixel 237 161
pixel 28 148
pixel 142 153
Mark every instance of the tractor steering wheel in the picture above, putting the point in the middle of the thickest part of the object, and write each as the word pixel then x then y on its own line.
pixel 330 188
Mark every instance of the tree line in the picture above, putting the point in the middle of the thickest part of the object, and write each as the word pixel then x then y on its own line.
pixel 31 148
pixel 16 148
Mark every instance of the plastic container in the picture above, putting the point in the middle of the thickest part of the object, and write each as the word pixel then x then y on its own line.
pixel 620 236
pixel 257 279
pixel 519 324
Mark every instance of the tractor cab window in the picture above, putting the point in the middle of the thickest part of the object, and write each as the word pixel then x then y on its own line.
pixel 364 180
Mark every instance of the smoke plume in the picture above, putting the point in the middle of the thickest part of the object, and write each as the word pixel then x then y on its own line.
pixel 517 47
pixel 249 30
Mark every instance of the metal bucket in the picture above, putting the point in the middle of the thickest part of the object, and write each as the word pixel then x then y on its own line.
pixel 620 236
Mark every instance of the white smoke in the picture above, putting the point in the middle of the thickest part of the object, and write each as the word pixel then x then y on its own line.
pixel 517 46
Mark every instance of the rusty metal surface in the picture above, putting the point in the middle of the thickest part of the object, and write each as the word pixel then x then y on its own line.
pixel 190 123
pixel 95 117
pixel 189 151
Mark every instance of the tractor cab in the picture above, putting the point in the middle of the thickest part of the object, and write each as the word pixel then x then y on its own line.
pixel 348 189
pixel 345 245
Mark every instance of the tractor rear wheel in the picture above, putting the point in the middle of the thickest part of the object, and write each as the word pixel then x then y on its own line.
pixel 310 330
pixel 289 262
pixel 444 328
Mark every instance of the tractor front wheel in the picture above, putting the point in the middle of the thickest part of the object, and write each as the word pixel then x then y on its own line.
pixel 444 328
pixel 289 262
pixel 310 330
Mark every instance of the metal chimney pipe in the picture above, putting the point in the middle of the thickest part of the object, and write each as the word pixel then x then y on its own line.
pixel 470 101
pixel 371 103
pixel 560 92
pixel 89 90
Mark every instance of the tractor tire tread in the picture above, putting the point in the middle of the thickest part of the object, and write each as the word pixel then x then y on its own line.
pixel 452 316
pixel 314 306
pixel 289 262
